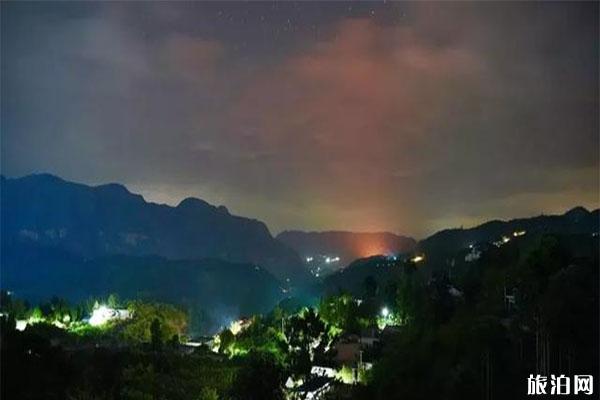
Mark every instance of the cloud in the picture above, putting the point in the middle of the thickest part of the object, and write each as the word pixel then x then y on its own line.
pixel 387 123
pixel 194 59
pixel 353 102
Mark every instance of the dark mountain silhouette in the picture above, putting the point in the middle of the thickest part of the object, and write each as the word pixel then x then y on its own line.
pixel 347 245
pixel 214 292
pixel 575 221
pixel 576 229
pixel 96 221
pixel 351 279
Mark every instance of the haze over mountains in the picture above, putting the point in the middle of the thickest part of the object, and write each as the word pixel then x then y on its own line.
pixel 348 246
pixel 76 241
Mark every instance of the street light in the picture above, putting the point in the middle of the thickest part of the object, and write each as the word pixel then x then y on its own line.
pixel 385 312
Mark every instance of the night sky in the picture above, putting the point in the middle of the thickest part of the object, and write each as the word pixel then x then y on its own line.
pixel 358 116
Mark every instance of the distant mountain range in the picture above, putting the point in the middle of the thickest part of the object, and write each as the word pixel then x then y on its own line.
pixel 75 241
pixel 97 221
pixel 348 246
pixel 575 221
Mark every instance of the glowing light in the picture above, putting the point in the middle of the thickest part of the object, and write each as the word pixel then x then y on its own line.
pixel 519 233
pixel 309 259
pixel 101 315
pixel 59 324
pixel 21 324
pixel 505 239
pixel 385 312
pixel 371 246
pixel 237 326
pixel 417 259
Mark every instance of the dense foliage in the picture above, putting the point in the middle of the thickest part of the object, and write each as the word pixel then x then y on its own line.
pixel 455 327
pixel 524 308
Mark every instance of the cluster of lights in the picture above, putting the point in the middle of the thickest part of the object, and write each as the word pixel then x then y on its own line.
pixel 100 316
pixel 317 272
pixel 21 324
pixel 309 259
pixel 330 260
pixel 505 239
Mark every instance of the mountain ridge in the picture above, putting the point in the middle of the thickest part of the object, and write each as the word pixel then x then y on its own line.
pixel 109 219
pixel 331 250
pixel 575 220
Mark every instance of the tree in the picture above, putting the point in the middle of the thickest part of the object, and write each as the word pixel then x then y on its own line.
pixel 340 312
pixel 37 314
pixel 208 394
pixel 174 341
pixel 370 286
pixel 173 321
pixel 113 300
pixel 307 337
pixel 260 378
pixel 156 334
pixel 226 340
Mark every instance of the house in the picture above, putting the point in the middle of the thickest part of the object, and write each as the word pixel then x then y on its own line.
pixel 322 371
pixel 313 389
pixel 348 353
pixel 368 337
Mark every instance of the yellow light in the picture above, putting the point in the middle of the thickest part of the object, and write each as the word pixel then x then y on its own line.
pixel 418 259
pixel 235 327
